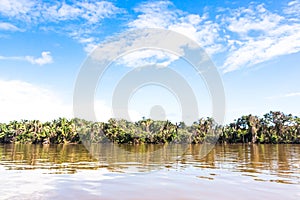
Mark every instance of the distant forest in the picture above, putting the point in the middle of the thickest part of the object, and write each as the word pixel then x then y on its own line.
pixel 273 127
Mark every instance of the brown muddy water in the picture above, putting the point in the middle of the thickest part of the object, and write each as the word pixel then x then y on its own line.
pixel 110 171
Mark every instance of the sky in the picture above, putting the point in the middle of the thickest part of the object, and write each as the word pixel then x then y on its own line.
pixel 255 46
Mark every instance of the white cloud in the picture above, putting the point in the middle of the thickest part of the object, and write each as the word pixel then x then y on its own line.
pixel 162 14
pixel 9 27
pixel 32 10
pixel 11 58
pixel 294 94
pixel 92 12
pixel 45 59
pixel 154 15
pixel 62 12
pixel 22 100
pixel 89 47
pixel 264 35
pixel 147 57
pixel 203 31
pixel 247 36
pixel 19 9
pixel 102 111
pixel 258 19
pixel 137 48
pixel 288 95
pixel 90 43
pixel 293 10
pixel 83 18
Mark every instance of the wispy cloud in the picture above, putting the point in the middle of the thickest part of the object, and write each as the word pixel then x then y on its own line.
pixel 292 94
pixel 45 58
pixel 292 10
pixel 264 35
pixel 12 58
pixel 38 11
pixel 77 19
pixel 8 27
pixel 158 14
pixel 147 57
pixel 84 19
pixel 91 12
pixel 246 36
pixel 163 14
pixel 18 9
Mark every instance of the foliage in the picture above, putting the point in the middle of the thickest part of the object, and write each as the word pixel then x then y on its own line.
pixel 273 127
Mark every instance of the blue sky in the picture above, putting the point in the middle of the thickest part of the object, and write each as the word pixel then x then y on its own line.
pixel 254 44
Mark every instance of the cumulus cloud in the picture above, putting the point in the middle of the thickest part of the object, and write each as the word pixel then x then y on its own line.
pixel 45 58
pixel 23 100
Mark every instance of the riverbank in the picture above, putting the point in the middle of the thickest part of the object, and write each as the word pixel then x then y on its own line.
pixel 273 127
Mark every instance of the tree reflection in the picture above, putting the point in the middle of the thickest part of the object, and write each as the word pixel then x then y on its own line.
pixel 281 160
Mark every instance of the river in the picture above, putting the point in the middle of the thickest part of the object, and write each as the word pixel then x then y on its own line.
pixel 111 171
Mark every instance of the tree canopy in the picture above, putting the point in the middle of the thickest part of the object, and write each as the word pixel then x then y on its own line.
pixel 273 127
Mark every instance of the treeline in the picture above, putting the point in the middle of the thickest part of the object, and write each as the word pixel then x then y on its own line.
pixel 273 127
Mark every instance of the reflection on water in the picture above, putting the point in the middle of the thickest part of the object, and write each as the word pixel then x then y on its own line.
pixel 168 164
pixel 280 160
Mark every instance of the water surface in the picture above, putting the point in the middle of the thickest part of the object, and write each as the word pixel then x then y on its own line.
pixel 110 171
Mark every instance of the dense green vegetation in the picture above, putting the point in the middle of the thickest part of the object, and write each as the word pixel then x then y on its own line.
pixel 273 127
